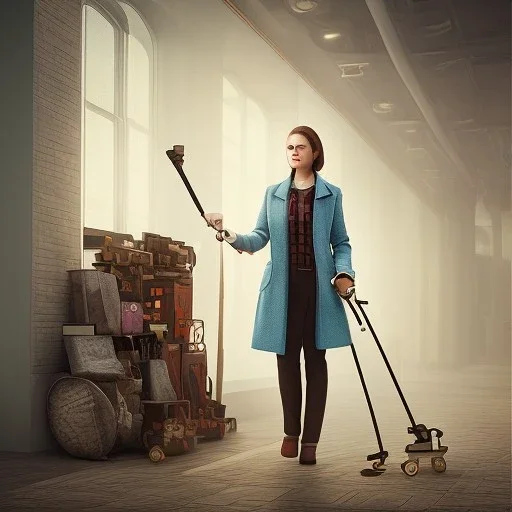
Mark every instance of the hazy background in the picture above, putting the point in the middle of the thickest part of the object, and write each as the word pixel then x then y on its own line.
pixel 196 75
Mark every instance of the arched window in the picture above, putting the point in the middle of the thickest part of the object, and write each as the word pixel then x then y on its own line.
pixel 117 124
pixel 139 86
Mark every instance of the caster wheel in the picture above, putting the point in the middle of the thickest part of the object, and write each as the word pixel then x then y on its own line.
pixel 156 454
pixel 438 464
pixel 377 464
pixel 410 467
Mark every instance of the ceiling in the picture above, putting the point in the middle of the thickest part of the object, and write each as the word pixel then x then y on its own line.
pixel 426 82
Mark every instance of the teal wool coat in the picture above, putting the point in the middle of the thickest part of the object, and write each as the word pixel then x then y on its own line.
pixel 331 329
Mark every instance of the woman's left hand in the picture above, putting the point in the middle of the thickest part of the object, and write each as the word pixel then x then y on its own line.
pixel 342 284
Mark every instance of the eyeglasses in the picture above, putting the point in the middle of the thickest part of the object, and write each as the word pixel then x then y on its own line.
pixel 300 147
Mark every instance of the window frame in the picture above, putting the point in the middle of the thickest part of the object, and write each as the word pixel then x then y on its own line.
pixel 116 17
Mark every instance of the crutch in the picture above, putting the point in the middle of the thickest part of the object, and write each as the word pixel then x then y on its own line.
pixel 381 455
pixel 427 440
pixel 176 156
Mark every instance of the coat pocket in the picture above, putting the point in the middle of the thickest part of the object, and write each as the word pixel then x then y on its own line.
pixel 267 273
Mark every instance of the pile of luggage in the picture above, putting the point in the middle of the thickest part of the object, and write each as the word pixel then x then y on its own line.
pixel 138 364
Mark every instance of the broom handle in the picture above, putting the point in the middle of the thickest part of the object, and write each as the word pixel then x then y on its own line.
pixel 220 335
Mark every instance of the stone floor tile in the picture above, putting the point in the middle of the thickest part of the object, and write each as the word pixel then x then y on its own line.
pixel 245 472
pixel 235 493
pixel 421 501
pixel 475 500
pixel 314 494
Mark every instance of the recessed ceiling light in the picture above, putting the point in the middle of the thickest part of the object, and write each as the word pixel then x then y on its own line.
pixel 333 35
pixel 383 107
pixel 303 5
pixel 418 151
pixel 352 70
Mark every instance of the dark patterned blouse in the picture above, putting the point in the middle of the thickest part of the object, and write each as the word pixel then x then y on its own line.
pixel 300 228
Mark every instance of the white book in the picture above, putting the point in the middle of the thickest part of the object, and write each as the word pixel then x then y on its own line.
pixel 78 329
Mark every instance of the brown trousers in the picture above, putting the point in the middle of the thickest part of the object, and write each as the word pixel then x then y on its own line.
pixel 301 335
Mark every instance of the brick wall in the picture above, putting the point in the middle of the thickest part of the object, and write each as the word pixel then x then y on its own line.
pixel 56 213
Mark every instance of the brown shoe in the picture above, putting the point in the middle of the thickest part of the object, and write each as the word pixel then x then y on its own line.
pixel 290 447
pixel 308 453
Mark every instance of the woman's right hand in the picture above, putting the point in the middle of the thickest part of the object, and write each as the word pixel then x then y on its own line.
pixel 214 220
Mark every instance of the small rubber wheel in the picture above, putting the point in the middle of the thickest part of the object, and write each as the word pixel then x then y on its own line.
pixel 156 454
pixel 410 467
pixel 438 464
pixel 377 464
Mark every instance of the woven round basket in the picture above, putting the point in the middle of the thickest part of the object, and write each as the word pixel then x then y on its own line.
pixel 82 418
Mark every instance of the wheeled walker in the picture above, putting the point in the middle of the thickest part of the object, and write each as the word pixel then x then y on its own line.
pixel 428 440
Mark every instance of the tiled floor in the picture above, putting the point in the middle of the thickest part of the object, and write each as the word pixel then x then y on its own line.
pixel 245 472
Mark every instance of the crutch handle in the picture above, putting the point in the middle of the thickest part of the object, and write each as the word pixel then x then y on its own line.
pixel 358 318
pixel 352 307
pixel 220 237
pixel 350 291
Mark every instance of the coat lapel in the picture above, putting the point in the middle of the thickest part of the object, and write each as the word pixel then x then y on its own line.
pixel 322 190
pixel 283 188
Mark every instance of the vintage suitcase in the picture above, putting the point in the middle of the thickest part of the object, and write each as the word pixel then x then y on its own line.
pixel 183 300
pixel 170 301
pixel 156 383
pixel 172 352
pixel 95 238
pixel 125 254
pixel 194 371
pixel 159 302
pixel 93 357
pixel 131 318
pixel 197 386
pixel 95 300
pixel 172 355
pixel 194 366
pixel 168 252
pixel 179 255
pixel 156 244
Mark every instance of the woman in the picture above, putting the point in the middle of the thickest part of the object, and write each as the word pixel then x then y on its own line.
pixel 298 306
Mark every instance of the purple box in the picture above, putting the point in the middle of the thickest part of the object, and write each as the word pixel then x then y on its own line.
pixel 131 318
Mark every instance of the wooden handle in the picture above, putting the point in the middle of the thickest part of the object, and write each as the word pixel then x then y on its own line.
pixel 220 335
